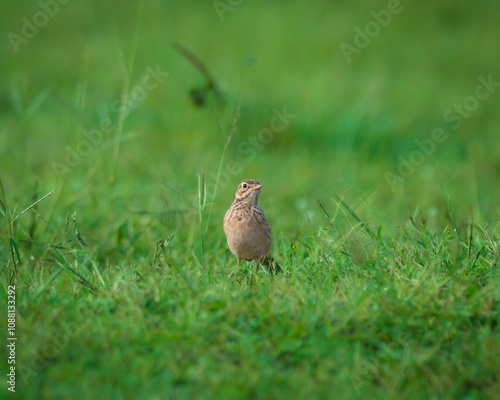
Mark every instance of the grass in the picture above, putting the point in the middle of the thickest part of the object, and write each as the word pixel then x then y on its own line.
pixel 125 287
pixel 414 315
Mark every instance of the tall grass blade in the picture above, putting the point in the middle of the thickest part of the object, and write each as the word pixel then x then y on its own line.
pixel 127 74
pixel 3 203
pixel 36 103
pixel 92 262
pixel 33 205
pixel 202 195
pixel 70 271
pixel 452 216
pixel 179 194
pixel 223 155
pixel 44 287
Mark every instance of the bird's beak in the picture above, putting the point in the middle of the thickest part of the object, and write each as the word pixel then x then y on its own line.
pixel 257 187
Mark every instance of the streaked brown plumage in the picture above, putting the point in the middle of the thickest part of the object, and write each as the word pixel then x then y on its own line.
pixel 246 227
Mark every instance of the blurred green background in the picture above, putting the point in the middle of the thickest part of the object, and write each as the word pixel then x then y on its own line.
pixel 352 119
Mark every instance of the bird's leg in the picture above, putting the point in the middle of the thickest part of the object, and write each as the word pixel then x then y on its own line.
pixel 271 265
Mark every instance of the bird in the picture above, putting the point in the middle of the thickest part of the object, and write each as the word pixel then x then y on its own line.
pixel 247 230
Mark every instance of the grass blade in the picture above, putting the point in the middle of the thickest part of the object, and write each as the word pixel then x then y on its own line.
pixel 179 194
pixel 223 155
pixel 202 194
pixel 33 205
pixel 64 265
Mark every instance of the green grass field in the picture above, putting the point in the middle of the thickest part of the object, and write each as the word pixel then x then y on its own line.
pixel 374 130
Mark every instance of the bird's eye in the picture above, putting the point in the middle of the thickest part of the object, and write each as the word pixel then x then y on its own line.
pixel 244 186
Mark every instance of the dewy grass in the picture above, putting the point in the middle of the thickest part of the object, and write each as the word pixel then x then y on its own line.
pixel 388 293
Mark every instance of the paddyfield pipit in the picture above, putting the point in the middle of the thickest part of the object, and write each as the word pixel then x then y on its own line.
pixel 246 227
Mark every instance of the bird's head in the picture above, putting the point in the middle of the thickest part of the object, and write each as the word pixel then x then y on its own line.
pixel 248 191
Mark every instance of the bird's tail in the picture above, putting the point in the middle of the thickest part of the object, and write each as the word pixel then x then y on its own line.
pixel 271 266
